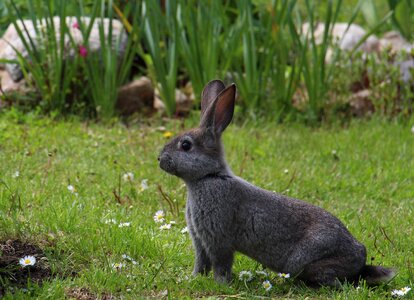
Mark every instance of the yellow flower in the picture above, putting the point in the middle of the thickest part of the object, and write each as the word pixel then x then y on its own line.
pixel 167 134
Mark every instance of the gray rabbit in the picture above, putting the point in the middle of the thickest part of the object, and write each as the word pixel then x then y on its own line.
pixel 225 213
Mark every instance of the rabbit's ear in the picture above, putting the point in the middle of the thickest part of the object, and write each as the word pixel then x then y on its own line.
pixel 210 93
pixel 219 113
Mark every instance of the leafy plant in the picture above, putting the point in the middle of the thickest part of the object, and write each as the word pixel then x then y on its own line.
pixel 269 77
pixel 45 64
pixel 59 63
pixel 108 69
pixel 202 28
pixel 403 17
pixel 161 39
pixel 316 73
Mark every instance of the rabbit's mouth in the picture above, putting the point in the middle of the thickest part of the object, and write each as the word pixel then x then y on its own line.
pixel 167 164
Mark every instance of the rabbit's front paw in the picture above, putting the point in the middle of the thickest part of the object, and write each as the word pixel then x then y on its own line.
pixel 202 263
pixel 202 268
pixel 222 276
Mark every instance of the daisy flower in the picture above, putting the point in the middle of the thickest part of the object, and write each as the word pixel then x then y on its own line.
pixel 144 185
pixel 283 275
pixel 16 174
pixel 400 292
pixel 117 266
pixel 126 257
pixel 165 227
pixel 184 230
pixel 267 285
pixel 129 176
pixel 27 261
pixel 261 273
pixel 125 224
pixel 159 216
pixel 245 276
pixel 71 188
pixel 111 221
pixel 285 171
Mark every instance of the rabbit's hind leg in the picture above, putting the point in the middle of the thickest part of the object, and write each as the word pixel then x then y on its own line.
pixel 331 271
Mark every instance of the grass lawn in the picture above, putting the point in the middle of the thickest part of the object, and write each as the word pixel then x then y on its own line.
pixel 362 173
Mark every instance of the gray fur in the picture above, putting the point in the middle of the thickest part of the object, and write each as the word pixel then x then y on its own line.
pixel 226 214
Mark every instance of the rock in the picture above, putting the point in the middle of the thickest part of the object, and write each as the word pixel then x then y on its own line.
pixel 8 85
pixel 361 104
pixel 137 96
pixel 406 70
pixel 9 89
pixel 158 104
pixel 394 41
pixel 346 38
pixel 183 103
pixel 11 42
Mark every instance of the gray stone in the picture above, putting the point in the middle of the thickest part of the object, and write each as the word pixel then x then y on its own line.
pixel 346 38
pixel 183 102
pixel 394 41
pixel 8 85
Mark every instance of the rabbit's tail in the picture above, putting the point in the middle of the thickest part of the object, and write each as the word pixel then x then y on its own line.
pixel 375 275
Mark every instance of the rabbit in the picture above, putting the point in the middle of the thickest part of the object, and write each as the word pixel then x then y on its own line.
pixel 225 213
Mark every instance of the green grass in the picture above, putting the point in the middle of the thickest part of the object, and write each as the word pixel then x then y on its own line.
pixel 368 184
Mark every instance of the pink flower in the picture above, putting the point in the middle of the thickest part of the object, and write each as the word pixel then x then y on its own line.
pixel 83 51
pixel 75 25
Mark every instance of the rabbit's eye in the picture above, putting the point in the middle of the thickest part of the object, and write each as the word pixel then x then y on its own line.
pixel 186 145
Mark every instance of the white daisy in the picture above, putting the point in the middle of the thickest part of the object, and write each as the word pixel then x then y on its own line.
pixel 172 222
pixel 27 261
pixel 285 171
pixel 400 292
pixel 129 258
pixel 129 176
pixel 144 184
pixel 261 273
pixel 283 275
pixel 159 216
pixel 117 266
pixel 245 276
pixel 165 227
pixel 184 230
pixel 111 221
pixel 71 188
pixel 125 224
pixel 267 285
pixel 16 174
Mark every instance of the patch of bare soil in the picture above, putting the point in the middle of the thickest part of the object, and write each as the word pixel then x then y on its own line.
pixel 85 294
pixel 15 276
